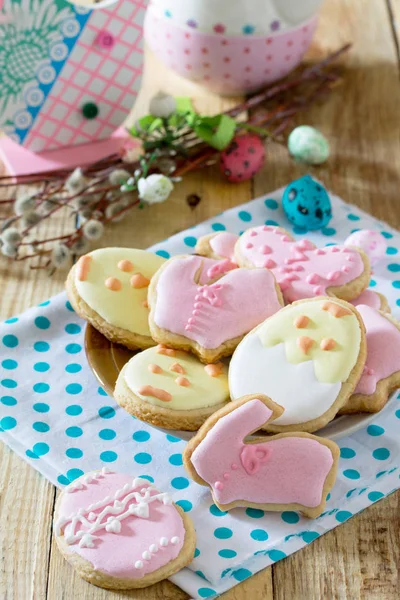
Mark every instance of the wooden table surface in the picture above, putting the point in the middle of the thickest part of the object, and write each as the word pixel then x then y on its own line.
pixel 359 559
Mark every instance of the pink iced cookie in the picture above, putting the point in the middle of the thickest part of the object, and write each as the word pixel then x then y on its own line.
pixel 119 532
pixel 301 269
pixel 287 471
pixel 381 374
pixel 190 309
pixel 372 242
pixel 217 245
pixel 372 299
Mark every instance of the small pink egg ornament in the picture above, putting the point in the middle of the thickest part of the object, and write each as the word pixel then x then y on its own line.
pixel 243 158
pixel 372 242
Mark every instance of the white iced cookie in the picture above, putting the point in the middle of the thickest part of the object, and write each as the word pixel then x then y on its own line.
pixel 171 388
pixel 308 358
pixel 108 288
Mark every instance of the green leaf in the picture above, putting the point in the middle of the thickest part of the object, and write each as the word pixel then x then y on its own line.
pixel 145 124
pixel 184 105
pixel 217 131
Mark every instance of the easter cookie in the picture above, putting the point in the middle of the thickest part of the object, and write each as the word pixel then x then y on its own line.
pixel 108 288
pixel 288 471
pixel 308 358
pixel 372 242
pixel 120 532
pixel 381 375
pixel 171 388
pixel 301 269
pixel 218 245
pixel 195 304
pixel 372 299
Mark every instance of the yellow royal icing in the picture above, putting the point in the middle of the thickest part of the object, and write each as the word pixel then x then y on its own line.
pixel 120 305
pixel 332 364
pixel 202 391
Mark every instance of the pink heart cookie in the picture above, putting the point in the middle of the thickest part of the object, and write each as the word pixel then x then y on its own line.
pixel 120 532
pixel 190 310
pixel 381 373
pixel 287 471
pixel 301 269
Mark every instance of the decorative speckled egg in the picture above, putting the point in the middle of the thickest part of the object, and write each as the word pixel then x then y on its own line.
pixel 243 158
pixel 306 203
pixel 308 145
pixel 372 242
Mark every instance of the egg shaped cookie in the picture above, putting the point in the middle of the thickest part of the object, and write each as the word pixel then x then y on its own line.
pixel 120 532
pixel 171 388
pixel 108 288
pixel 308 358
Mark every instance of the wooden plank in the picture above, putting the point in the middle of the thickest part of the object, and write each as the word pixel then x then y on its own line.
pixel 358 560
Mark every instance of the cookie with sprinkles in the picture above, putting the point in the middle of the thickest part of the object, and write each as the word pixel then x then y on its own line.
pixel 308 358
pixel 172 389
pixel 108 288
pixel 120 532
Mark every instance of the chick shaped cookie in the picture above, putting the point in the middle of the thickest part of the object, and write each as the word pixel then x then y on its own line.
pixel 308 358
pixel 288 471
pixel 171 388
pixel 207 306
pixel 108 288
pixel 381 374
pixel 120 532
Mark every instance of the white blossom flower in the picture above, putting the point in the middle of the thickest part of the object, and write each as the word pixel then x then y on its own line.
pixel 11 236
pixel 155 188
pixel 76 182
pixel 23 204
pixel 119 176
pixel 60 255
pixel 114 209
pixel 9 250
pixel 81 246
pixel 162 105
pixel 30 218
pixel 93 230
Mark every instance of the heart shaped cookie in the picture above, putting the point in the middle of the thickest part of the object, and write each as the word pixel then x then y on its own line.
pixel 195 305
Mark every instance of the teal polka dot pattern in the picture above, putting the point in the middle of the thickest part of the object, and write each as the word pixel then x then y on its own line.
pixel 10 341
pixel 223 533
pixel 142 458
pixel 381 453
pixel 375 430
pixel 260 535
pixel 68 425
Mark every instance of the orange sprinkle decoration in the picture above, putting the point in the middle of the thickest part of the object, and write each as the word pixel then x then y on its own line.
pixel 145 304
pixel 155 369
pixel 182 381
pixel 161 349
pixel 83 267
pixel 327 344
pixel 214 370
pixel 336 309
pixel 149 390
pixel 177 368
pixel 113 284
pixel 301 322
pixel 305 343
pixel 139 281
pixel 126 266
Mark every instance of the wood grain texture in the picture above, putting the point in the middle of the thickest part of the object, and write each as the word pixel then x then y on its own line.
pixel 360 559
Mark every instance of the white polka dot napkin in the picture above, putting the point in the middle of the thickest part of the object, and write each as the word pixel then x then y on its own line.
pixel 54 414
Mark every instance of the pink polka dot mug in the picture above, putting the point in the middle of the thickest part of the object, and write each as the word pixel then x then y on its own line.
pixel 231 46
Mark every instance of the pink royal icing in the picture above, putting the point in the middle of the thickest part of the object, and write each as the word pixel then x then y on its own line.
pixel 368 297
pixel 126 528
pixel 301 269
pixel 287 470
pixel 223 244
pixel 212 314
pixel 383 350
